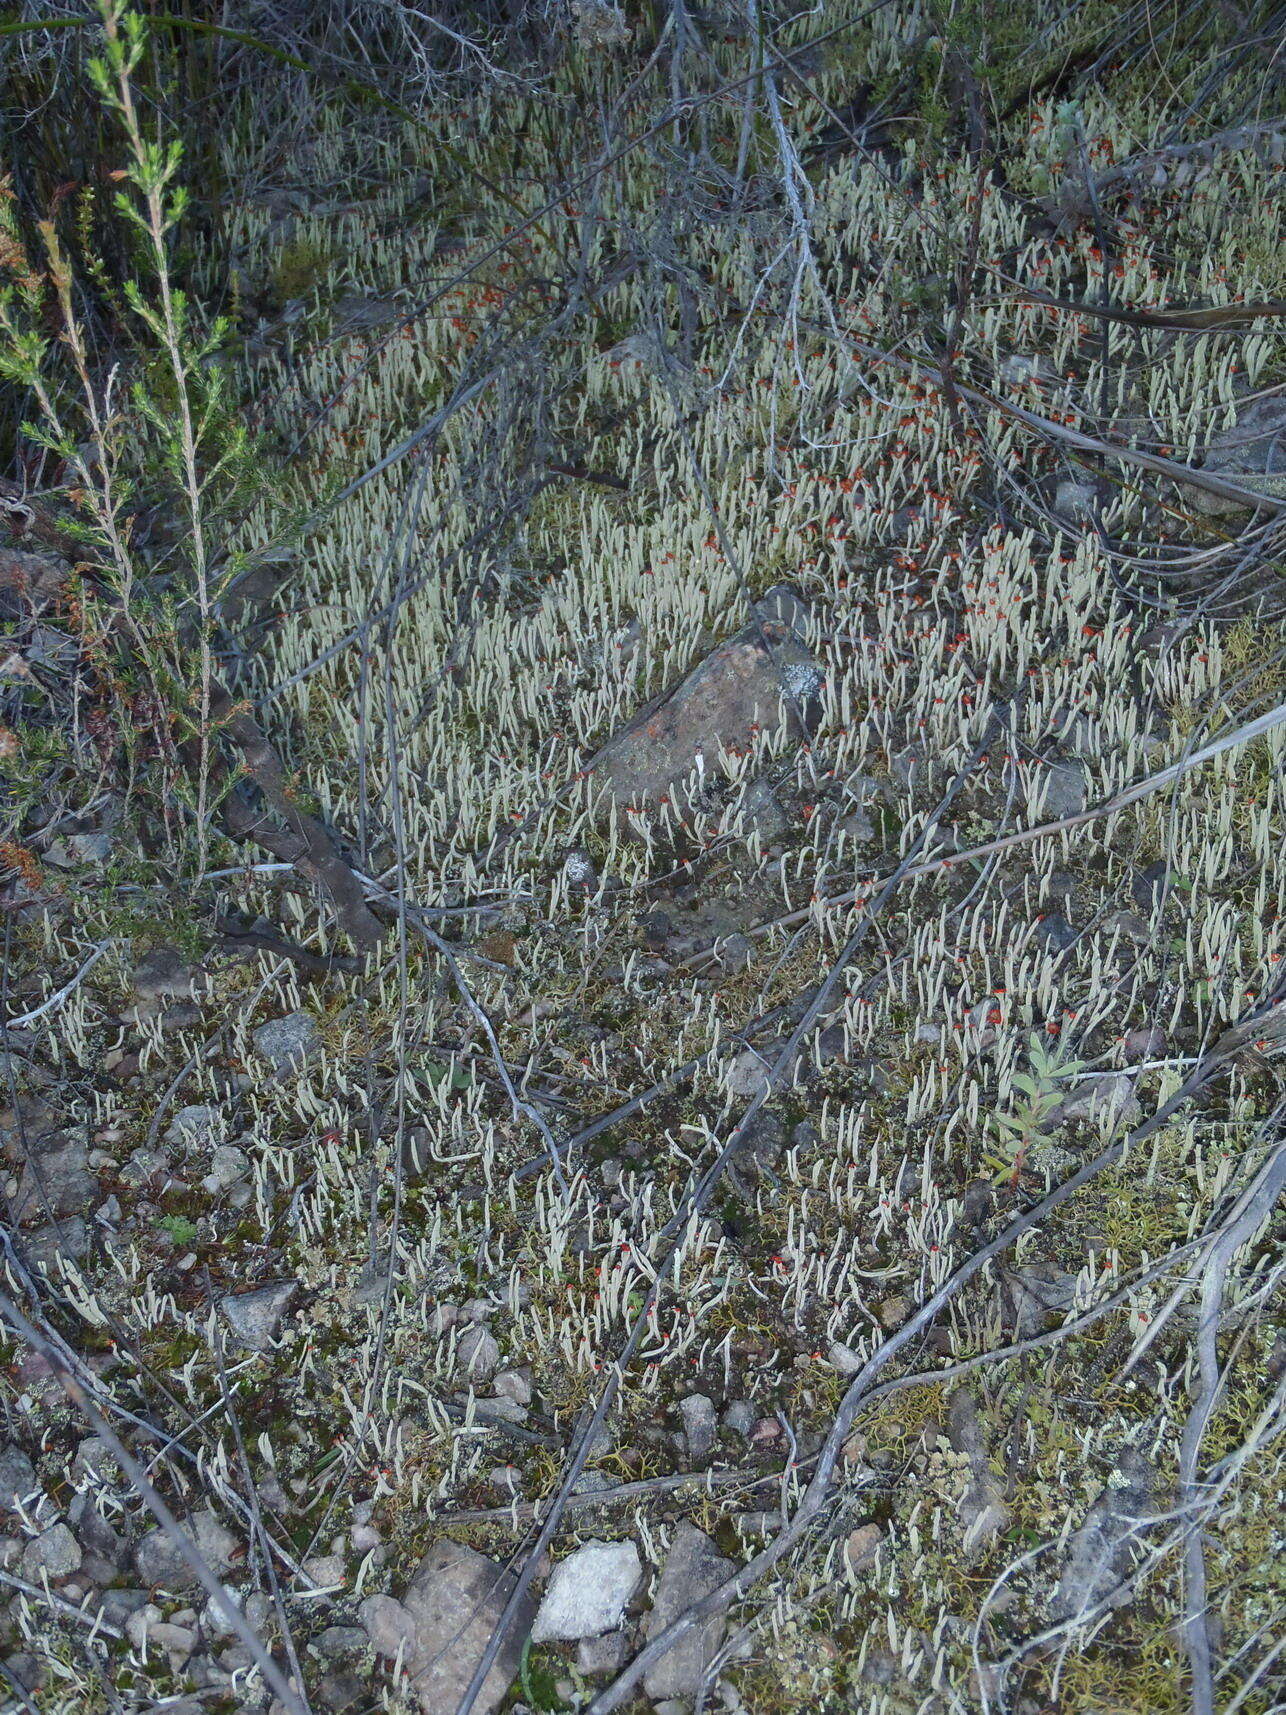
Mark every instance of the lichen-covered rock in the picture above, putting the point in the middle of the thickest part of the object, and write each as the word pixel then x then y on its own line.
pixel 693 1568
pixel 443 1625
pixel 757 681
pixel 588 1591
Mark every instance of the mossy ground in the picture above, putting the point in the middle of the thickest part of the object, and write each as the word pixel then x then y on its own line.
pixel 942 588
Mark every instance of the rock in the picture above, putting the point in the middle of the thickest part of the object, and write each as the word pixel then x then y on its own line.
pixel 68 1237
pixel 982 1511
pixel 337 1641
pixel 1055 932
pixel 656 929
pixel 289 1043
pixel 1127 924
pixel 513 1384
pixel 739 1417
pixel 55 1553
pixel 198 1124
pixel 94 1534
pixel 227 1165
pixel 1105 1100
pixel 1103 1550
pixel 578 867
pixel 734 953
pixel 147 1169
pixel 256 1317
pixel 861 1546
pixel 477 1353
pixel 1148 1043
pixel 1152 886
pixel 1019 370
pixel 445 1620
pixel 18 1483
pixel 162 975
pixel 843 1358
pixel 697 1412
pixel 760 812
pixel 588 1591
pixel 1054 790
pixel 858 826
pixel 761 1143
pixel 341 1692
pixel 160 1565
pixel 748 1074
pixel 1075 501
pixel 693 1568
pixel 56 1181
pixel 1033 1294
pixel 218 1546
pixel 1252 453
pixel 602 1655
pixel 893 1312
pixel 389 1626
pixel 757 680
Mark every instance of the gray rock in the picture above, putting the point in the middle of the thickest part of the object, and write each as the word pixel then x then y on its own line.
pixel 739 1417
pixel 699 1423
pixel 843 1358
pixel 1147 1043
pixel 1152 886
pixel 160 1565
pixel 1108 1099
pixel 515 1385
pixel 1055 932
pixel 446 1618
pixel 227 1165
pixel 762 1143
pixel 1033 1294
pixel 162 975
pixel 761 813
pixel 982 1511
pixel 763 678
pixel 116 1606
pixel 289 1043
pixel 588 1591
pixel 55 1553
pixel 1058 788
pixel 200 1123
pixel 56 1181
pixel 1112 1537
pixel 17 1480
pixel 1252 453
pixel 602 1655
pixel 93 1532
pixel 147 1168
pixel 66 1238
pixel 857 825
pixel 337 1641
pixel 1129 926
pixel 1075 501
pixel 218 1545
pixel 748 1074
pixel 477 1353
pixel 693 1568
pixel 256 1317
pixel 341 1692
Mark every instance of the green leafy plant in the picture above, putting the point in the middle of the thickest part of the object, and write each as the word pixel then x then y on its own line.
pixel 1019 1130
pixel 179 1228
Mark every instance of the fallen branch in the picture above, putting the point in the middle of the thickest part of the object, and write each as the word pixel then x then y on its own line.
pixel 304 842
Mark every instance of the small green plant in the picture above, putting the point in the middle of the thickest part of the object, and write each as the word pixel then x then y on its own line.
pixel 178 1228
pixel 1018 1131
